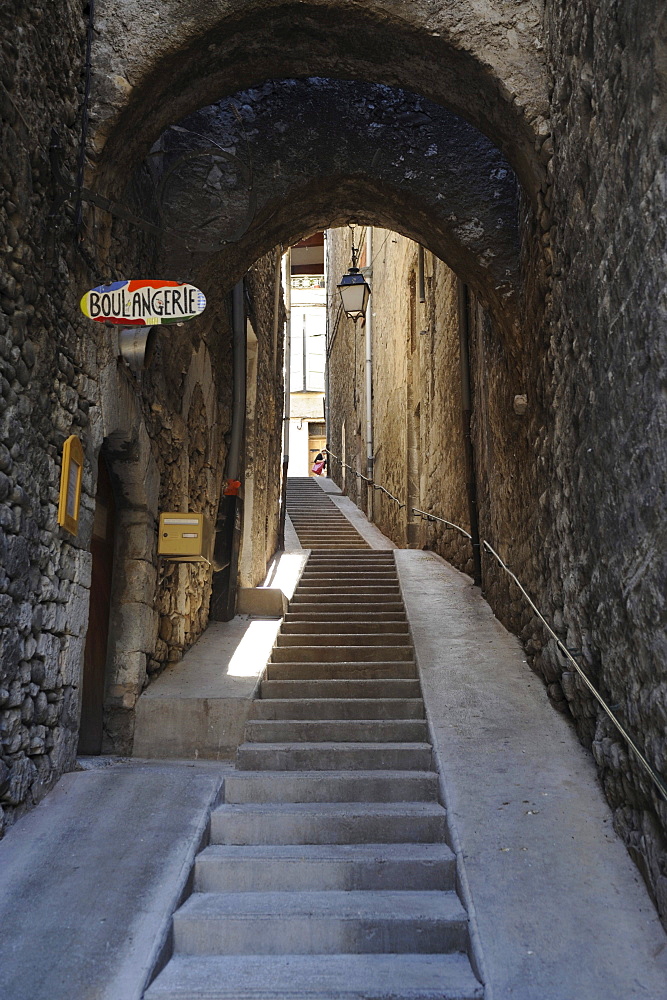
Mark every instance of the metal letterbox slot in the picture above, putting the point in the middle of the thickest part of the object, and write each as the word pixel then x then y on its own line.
pixel 185 546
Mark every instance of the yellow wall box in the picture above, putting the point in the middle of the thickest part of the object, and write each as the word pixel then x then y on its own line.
pixel 185 537
pixel 71 472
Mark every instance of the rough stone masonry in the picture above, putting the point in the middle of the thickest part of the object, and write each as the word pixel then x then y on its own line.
pixel 163 432
pixel 573 97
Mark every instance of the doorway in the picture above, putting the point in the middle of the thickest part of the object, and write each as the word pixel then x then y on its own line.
pixel 97 638
pixel 317 442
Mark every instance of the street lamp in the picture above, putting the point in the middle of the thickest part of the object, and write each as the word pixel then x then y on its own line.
pixel 354 291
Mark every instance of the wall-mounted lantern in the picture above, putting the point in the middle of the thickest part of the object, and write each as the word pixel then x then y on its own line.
pixel 354 290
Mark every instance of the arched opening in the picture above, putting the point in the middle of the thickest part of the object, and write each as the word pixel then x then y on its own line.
pixel 482 65
pixel 520 143
pixel 274 163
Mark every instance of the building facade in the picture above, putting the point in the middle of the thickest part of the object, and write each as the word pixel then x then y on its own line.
pixel 307 432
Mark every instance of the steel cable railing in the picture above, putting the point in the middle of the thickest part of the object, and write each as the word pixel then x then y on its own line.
pixel 487 547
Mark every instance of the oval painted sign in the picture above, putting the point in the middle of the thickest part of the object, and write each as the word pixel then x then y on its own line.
pixel 143 303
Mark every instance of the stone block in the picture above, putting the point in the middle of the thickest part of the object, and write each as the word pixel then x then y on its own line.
pixel 136 582
pixel 133 628
pixel 21 775
pixel 128 668
pixel 71 659
pixel 75 613
pixel 48 649
pixel 122 695
pixel 11 650
pixel 10 724
pixel 139 535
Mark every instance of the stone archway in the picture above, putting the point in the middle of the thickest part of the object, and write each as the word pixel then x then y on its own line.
pixel 266 165
pixel 298 165
pixel 483 62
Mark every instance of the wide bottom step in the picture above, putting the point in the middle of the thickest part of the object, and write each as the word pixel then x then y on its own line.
pixel 317 977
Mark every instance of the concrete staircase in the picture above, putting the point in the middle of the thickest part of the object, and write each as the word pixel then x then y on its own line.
pixel 317 520
pixel 327 875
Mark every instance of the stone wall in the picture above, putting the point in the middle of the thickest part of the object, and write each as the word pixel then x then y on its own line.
pixel 605 535
pixel 417 420
pixel 46 394
pixel 572 490
pixel 161 431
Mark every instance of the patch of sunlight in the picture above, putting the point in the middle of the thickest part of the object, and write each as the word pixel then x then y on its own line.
pixel 253 651
pixel 284 572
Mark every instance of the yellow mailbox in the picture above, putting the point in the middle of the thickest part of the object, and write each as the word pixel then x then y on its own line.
pixel 185 537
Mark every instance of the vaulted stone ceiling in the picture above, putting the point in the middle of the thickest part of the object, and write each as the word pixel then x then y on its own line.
pixel 482 59
pixel 294 156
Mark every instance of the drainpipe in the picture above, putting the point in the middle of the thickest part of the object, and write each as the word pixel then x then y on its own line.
pixel 287 285
pixel 238 411
pixel 276 300
pixel 230 511
pixel 368 331
pixel 420 270
pixel 466 400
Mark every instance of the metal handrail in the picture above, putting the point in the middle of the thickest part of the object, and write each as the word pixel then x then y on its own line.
pixel 376 486
pixel 371 482
pixel 657 780
pixel 425 515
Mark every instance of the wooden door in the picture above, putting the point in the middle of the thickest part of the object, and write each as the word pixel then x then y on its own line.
pixel 317 442
pixel 97 638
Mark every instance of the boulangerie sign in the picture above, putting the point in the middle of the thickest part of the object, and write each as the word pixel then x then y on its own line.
pixel 143 303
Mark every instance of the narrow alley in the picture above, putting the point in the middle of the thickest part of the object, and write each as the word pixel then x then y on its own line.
pixel 333 500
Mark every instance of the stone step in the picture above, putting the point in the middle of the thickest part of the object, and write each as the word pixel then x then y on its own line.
pixel 336 730
pixel 334 786
pixel 309 542
pixel 343 609
pixel 352 573
pixel 371 555
pixel 338 688
pixel 320 514
pixel 324 523
pixel 343 628
pixel 328 535
pixel 355 562
pixel 347 588
pixel 344 638
pixel 365 602
pixel 364 580
pixel 379 571
pixel 328 823
pixel 333 532
pixel 361 617
pixel 352 578
pixel 340 670
pixel 317 977
pixel 334 653
pixel 334 757
pixel 312 544
pixel 327 867
pixel 320 923
pixel 337 708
